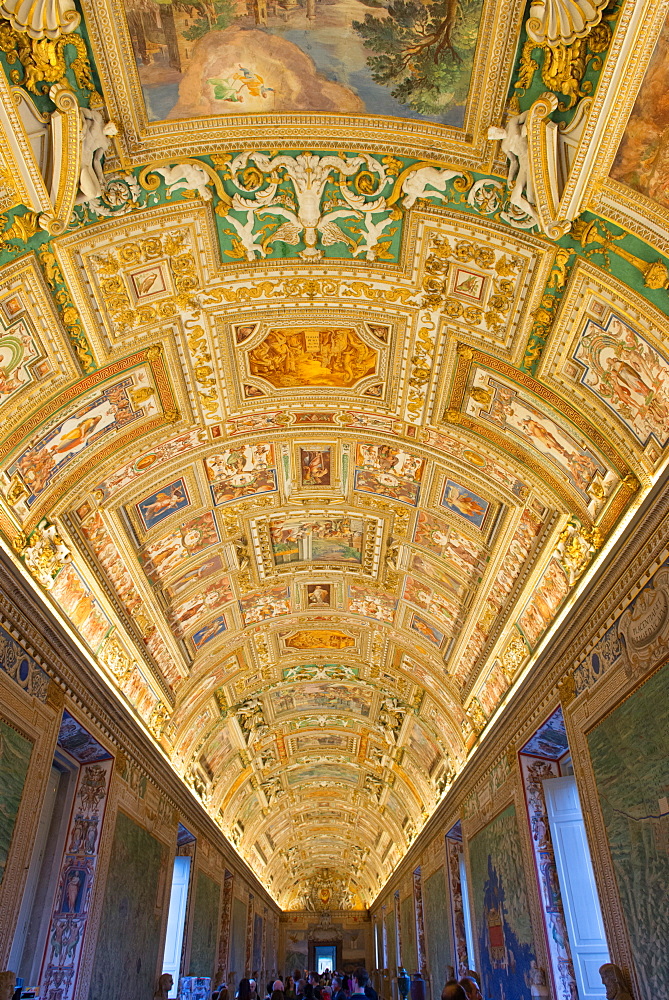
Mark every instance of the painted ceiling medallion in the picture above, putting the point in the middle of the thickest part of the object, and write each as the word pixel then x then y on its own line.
pixel 41 18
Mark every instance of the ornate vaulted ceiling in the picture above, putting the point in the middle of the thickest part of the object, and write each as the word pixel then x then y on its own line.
pixel 313 426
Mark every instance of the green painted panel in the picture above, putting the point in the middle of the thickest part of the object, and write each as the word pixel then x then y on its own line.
pixel 437 918
pixel 204 937
pixel 15 753
pixel 408 935
pixel 630 758
pixel 126 958
pixel 238 937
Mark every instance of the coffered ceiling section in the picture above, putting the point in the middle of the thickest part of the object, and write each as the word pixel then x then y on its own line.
pixel 312 429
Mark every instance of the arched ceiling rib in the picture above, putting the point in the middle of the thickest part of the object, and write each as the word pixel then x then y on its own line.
pixel 310 429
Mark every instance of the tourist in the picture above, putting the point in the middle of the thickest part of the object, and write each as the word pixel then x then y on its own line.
pixel 471 988
pixel 453 991
pixel 359 980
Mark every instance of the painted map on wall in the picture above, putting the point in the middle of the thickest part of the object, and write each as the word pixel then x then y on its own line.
pixel 228 57
pixel 238 939
pixel 502 915
pixel 642 160
pixel 204 939
pixel 15 753
pixel 437 928
pixel 408 935
pixel 390 937
pixel 630 759
pixel 126 957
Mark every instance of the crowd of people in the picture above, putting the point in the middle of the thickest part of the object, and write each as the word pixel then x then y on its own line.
pixel 337 986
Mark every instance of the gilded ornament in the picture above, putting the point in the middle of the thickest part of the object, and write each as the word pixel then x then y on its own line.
pixel 567 690
pixel 46 19
pixel 45 553
pixel 561 22
pixel 17 490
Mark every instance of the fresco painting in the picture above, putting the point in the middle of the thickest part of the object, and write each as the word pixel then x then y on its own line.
pixel 131 913
pixel 78 741
pixel 433 570
pixel 52 450
pixel 642 160
pixel 437 927
pixel 331 697
pixel 546 599
pixel 517 413
pixel 430 600
pixel 427 631
pixel 15 751
pixel 462 501
pixel 315 466
pixel 388 472
pixel 241 471
pixel 362 602
pixel 209 631
pixel 215 595
pixel 205 569
pixel 238 938
pixel 438 537
pixel 324 539
pixel 75 597
pixel 161 453
pixel 321 639
pixel 411 60
pixel 313 356
pixel 162 503
pixel 319 595
pixel 630 759
pixel 501 908
pixel 322 772
pixel 629 375
pixel 264 604
pixel 204 935
pixel 166 554
pixel 408 928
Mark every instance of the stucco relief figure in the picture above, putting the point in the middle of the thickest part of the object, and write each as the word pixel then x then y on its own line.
pixel 519 180
pixel 165 984
pixel 95 141
pixel 612 978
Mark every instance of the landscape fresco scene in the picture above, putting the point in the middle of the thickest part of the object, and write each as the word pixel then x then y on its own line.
pixel 408 58
pixel 642 160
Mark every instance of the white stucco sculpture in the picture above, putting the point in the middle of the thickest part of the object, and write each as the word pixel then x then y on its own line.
pixel 519 180
pixel 95 141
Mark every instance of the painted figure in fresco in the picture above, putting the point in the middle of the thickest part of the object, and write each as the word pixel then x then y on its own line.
pixel 463 502
pixel 318 596
pixel 72 891
pixel 168 500
pixel 92 787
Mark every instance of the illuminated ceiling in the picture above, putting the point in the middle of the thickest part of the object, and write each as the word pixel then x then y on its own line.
pixel 312 427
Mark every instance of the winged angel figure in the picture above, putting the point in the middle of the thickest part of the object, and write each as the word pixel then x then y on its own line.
pixel 309 221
